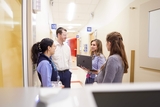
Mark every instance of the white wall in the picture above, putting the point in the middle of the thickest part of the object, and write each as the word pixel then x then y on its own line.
pixel 126 21
pixel 44 19
pixel 105 13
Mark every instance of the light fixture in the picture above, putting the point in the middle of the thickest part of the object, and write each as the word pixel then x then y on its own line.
pixel 71 10
pixel 69 24
pixel 71 31
pixel 70 27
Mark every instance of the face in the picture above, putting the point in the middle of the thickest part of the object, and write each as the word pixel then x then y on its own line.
pixel 63 36
pixel 108 45
pixel 52 49
pixel 93 46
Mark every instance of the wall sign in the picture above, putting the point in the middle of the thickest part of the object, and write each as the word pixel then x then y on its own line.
pixel 53 26
pixel 89 29
pixel 85 48
pixel 77 36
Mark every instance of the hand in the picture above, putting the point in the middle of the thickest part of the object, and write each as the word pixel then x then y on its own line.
pixel 62 86
pixel 85 69
pixel 96 72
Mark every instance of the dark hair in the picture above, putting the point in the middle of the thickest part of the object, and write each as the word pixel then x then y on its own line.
pixel 99 47
pixel 117 47
pixel 59 30
pixel 40 47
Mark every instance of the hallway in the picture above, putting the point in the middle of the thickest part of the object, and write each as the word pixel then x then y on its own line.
pixel 78 75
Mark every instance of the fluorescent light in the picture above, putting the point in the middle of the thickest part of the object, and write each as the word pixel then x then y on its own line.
pixel 71 11
pixel 69 24
pixel 70 27
pixel 71 31
pixel 6 8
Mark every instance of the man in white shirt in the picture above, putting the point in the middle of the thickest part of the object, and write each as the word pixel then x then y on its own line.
pixel 62 57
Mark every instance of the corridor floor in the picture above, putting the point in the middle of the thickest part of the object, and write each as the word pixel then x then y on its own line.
pixel 78 75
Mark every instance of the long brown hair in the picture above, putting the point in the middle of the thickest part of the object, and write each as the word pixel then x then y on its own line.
pixel 117 47
pixel 99 47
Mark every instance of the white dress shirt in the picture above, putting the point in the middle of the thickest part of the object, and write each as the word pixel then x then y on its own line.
pixel 62 56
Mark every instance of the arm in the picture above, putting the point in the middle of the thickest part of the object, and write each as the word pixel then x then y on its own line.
pixel 70 58
pixel 110 71
pixel 45 71
pixel 101 62
pixel 97 63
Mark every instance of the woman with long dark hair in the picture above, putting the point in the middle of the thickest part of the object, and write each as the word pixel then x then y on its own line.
pixel 116 65
pixel 41 55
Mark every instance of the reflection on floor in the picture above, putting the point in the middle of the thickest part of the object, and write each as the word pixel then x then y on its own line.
pixel 78 75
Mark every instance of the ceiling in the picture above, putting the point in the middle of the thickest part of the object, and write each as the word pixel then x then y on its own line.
pixel 82 13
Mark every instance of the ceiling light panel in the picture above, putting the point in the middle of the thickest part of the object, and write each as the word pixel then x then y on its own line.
pixel 71 10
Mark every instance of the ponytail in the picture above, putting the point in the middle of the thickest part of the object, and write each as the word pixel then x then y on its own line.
pixel 35 52
pixel 40 47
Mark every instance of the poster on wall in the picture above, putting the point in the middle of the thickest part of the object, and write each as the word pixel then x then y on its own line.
pixel 85 48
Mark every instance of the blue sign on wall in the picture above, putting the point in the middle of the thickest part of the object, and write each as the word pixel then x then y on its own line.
pixel 89 29
pixel 54 26
pixel 77 36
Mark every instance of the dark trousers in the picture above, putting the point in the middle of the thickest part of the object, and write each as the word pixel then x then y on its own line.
pixel 89 80
pixel 65 78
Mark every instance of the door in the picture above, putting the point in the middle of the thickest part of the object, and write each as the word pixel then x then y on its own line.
pixel 91 37
pixel 11 70
pixel 73 45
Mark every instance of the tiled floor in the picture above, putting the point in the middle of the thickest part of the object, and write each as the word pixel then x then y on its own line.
pixel 78 75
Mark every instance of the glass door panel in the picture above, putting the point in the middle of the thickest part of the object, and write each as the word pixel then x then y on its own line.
pixel 11 71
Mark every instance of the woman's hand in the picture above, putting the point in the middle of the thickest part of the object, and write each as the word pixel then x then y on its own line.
pixel 85 69
pixel 95 72
pixel 62 86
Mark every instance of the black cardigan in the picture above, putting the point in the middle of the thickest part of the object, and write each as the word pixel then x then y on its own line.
pixel 54 71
